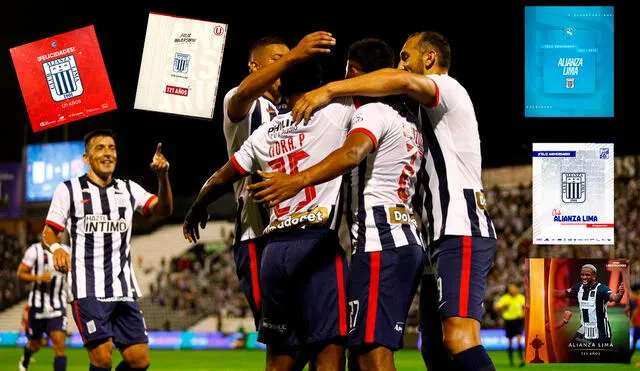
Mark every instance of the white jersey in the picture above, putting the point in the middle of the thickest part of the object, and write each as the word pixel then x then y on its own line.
pixel 250 217
pixel 383 185
pixel 48 298
pixel 593 302
pixel 283 145
pixel 99 221
pixel 451 184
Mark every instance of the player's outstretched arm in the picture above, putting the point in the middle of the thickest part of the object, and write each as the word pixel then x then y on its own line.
pixel 213 189
pixel 619 295
pixel 163 205
pixel 277 187
pixel 254 85
pixel 383 82
pixel 560 293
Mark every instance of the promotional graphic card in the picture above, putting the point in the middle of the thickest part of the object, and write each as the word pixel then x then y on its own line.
pixel 573 193
pixel 180 67
pixel 63 78
pixel 569 61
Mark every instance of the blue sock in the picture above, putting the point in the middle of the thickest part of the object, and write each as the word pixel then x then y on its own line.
pixel 60 363
pixel 96 368
pixel 122 366
pixel 474 359
pixel 26 356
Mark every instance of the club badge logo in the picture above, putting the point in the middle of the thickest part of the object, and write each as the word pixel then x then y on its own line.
pixel 63 78
pixel 181 63
pixel 574 187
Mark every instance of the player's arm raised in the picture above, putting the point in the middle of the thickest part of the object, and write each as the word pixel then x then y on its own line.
pixel 383 82
pixel 256 83
pixel 163 204
pixel 277 187
pixel 213 189
pixel 616 297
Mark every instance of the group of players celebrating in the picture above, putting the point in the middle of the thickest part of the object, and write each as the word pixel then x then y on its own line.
pixel 395 144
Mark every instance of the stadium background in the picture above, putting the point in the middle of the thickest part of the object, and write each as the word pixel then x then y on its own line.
pixel 196 286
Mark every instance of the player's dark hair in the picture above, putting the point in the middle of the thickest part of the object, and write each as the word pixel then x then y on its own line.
pixel 301 78
pixel 97 133
pixel 372 54
pixel 434 40
pixel 264 41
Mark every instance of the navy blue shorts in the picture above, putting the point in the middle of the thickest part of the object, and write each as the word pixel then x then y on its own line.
pixel 247 256
pixel 303 282
pixel 461 265
pixel 381 287
pixel 120 320
pixel 38 326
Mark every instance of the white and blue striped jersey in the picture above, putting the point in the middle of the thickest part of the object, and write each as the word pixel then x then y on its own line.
pixel 251 218
pixel 99 221
pixel 593 301
pixel 283 145
pixel 382 187
pixel 453 202
pixel 48 298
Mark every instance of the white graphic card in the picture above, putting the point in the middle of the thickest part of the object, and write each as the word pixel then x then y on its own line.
pixel 573 193
pixel 180 67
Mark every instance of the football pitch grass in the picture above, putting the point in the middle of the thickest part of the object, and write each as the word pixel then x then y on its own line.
pixel 223 360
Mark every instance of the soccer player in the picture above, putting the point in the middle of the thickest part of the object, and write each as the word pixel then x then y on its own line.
pixel 303 266
pixel 256 101
pixel 593 298
pixel 384 149
pixel 47 305
pixel 511 306
pixel 97 211
pixel 457 228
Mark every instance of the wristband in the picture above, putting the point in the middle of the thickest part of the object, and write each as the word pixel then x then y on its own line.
pixel 54 246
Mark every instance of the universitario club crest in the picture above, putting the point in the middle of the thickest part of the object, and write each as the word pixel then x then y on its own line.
pixel 574 187
pixel 63 78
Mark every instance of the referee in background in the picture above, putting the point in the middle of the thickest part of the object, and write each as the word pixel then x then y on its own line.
pixel 511 305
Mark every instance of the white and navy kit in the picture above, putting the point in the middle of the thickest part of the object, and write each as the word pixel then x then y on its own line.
pixel 457 228
pixel 304 269
pixel 388 253
pixel 251 218
pixel 283 145
pixel 47 300
pixel 594 321
pixel 99 221
pixel 383 185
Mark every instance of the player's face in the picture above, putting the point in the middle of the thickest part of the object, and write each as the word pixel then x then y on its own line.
pixel 101 156
pixel 587 277
pixel 411 56
pixel 268 54
pixel 513 290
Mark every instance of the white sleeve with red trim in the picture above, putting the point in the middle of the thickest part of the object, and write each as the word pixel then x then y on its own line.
pixel 368 119
pixel 141 197
pixel 445 91
pixel 30 256
pixel 245 159
pixel 59 208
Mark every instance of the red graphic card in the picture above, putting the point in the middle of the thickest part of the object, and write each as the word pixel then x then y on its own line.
pixel 63 78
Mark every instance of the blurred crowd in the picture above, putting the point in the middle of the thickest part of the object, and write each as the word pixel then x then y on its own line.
pixel 11 252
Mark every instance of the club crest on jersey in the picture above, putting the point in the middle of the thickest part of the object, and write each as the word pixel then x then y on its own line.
pixel 63 78
pixel 181 63
pixel 102 224
pixel 574 187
